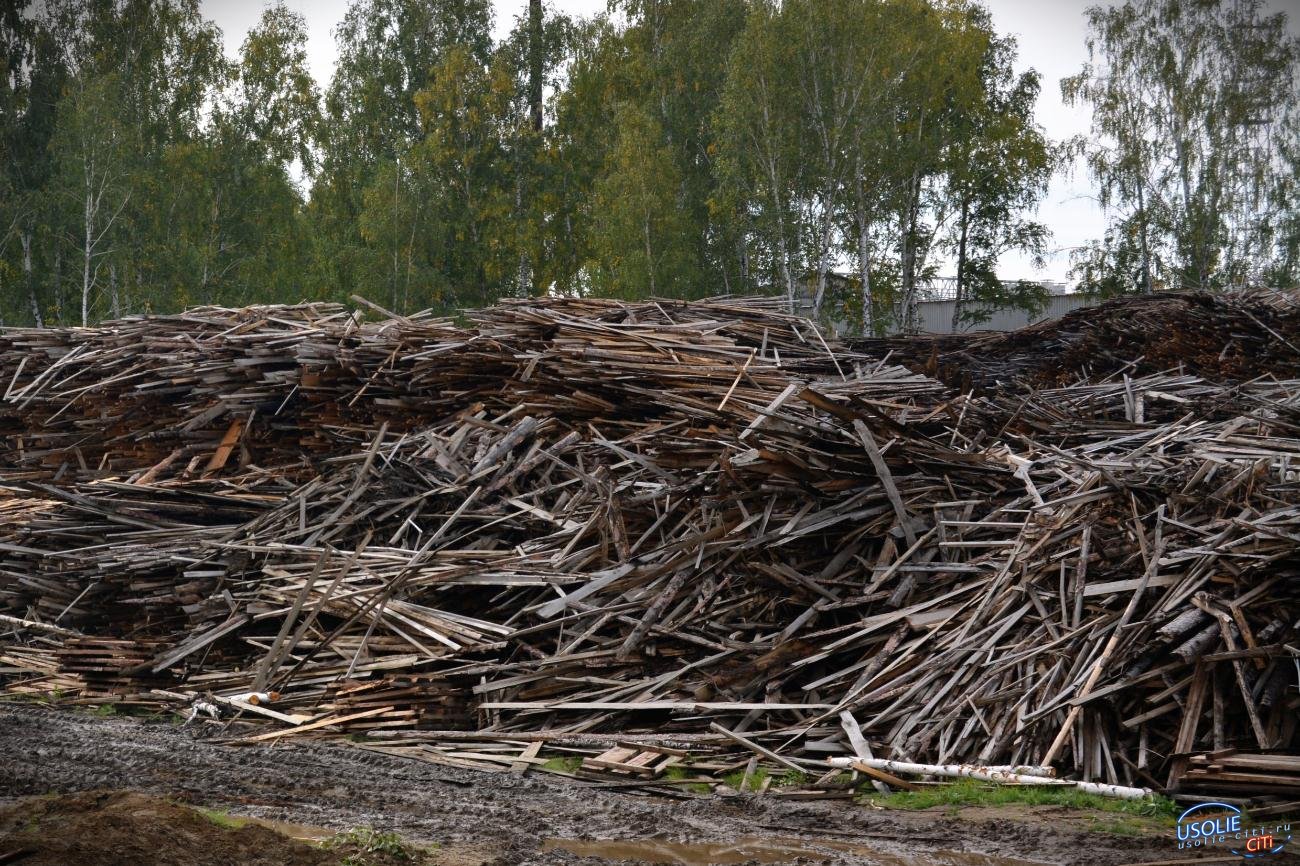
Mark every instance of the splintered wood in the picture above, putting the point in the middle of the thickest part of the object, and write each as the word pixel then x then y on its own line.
pixel 648 536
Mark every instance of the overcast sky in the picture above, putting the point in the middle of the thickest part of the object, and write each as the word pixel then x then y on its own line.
pixel 1050 34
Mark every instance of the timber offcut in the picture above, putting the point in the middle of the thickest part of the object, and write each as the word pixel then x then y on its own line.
pixel 672 543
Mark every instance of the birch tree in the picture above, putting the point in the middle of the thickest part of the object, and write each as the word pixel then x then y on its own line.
pixel 91 154
pixel 757 126
pixel 999 165
pixel 641 244
pixel 1193 137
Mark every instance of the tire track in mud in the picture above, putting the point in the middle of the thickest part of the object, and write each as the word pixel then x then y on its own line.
pixel 338 786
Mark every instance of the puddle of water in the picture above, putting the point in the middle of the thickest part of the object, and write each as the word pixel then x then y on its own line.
pixel 764 850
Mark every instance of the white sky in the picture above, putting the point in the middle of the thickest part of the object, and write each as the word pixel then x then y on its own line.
pixel 1050 34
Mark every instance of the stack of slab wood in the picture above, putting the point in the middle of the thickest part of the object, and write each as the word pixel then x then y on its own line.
pixel 1231 770
pixel 629 532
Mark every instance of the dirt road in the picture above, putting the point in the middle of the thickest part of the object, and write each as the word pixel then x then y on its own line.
pixel 500 818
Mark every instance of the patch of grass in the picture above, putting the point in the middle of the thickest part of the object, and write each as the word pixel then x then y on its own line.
pixel 221 818
pixel 679 773
pixel 362 843
pixel 788 779
pixel 109 711
pixel 969 792
pixel 24 698
pixel 53 696
pixel 737 779
pixel 1119 826
pixel 563 765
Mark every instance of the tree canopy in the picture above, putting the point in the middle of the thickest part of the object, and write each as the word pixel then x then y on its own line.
pixel 844 151
pixel 1195 145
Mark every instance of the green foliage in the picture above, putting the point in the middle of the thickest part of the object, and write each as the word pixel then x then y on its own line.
pixel 641 241
pixel 785 779
pixel 666 147
pixel 568 765
pixel 275 105
pixel 661 75
pixel 999 168
pixel 1195 145
pixel 388 53
pixel 879 131
pixel 222 818
pixel 364 841
pixel 968 792
pixel 679 773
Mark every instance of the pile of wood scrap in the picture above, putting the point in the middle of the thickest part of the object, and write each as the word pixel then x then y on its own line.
pixel 1231 770
pixel 1222 337
pixel 621 533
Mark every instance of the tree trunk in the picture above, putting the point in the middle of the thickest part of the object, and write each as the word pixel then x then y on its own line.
pixel 114 298
pixel 397 193
pixel 742 250
pixel 87 255
pixel 781 248
pixel 573 247
pixel 959 297
pixel 29 278
pixel 908 252
pixel 824 254
pixel 864 252
pixel 1142 229
pixel 523 279
pixel 774 182
pixel 59 305
pixel 410 267
pixel 1198 217
pixel 649 256
pixel 536 65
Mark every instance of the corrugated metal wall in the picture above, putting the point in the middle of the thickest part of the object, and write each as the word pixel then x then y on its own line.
pixel 936 316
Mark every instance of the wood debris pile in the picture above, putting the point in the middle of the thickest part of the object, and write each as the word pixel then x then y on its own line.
pixel 646 535
pixel 1222 338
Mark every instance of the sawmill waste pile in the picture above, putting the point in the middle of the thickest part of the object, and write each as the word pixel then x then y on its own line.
pixel 655 534
pixel 1224 338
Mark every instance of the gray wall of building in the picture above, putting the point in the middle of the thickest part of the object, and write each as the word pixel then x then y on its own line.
pixel 935 313
pixel 936 316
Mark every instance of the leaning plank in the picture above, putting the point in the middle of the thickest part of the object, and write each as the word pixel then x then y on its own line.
pixel 317 725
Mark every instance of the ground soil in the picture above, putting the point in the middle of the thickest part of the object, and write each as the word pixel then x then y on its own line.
pixel 99 828
pixel 309 789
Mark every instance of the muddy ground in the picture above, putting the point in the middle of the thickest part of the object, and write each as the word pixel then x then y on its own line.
pixel 481 818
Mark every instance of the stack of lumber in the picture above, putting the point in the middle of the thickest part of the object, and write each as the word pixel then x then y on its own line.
pixel 1230 770
pixel 631 532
